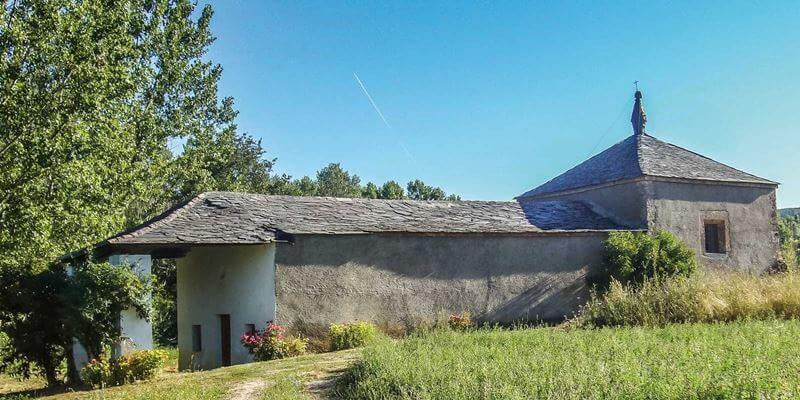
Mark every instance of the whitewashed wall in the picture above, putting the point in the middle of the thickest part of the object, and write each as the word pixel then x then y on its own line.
pixel 216 280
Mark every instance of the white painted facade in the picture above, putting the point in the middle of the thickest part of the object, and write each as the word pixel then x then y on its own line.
pixel 238 281
pixel 137 333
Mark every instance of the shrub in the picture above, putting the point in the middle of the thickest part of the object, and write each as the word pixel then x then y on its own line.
pixel 348 336
pixel 460 322
pixel 707 297
pixel 143 365
pixel 97 373
pixel 135 366
pixel 636 256
pixel 271 344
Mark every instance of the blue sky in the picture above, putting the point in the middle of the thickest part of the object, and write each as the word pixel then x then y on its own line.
pixel 490 99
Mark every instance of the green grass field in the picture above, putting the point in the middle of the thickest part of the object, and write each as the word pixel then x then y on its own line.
pixel 719 361
pixel 742 360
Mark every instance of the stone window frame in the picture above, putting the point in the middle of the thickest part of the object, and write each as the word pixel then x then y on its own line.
pixel 715 216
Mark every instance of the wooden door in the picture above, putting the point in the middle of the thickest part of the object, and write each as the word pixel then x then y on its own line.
pixel 225 336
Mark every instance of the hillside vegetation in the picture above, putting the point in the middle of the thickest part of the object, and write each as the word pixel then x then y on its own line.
pixel 789 212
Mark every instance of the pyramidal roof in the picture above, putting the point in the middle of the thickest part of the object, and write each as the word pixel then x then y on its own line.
pixel 642 155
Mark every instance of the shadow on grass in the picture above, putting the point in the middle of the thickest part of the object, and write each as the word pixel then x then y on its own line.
pixel 43 392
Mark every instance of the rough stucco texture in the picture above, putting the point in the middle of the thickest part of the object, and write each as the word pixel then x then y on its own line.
pixel 216 280
pixel 407 279
pixel 749 213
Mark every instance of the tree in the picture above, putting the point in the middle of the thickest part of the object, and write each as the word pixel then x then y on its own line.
pixel 418 190
pixel 42 312
pixel 220 161
pixel 307 187
pixel 164 316
pixel 334 181
pixel 370 191
pixel 90 95
pixel 392 190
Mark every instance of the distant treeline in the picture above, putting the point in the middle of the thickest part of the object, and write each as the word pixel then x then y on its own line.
pixel 789 212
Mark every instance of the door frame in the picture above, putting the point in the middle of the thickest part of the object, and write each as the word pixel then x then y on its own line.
pixel 225 339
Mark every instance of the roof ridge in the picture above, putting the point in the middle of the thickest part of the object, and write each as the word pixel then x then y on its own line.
pixel 639 156
pixel 365 199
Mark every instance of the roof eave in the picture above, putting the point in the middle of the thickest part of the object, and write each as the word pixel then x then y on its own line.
pixel 545 195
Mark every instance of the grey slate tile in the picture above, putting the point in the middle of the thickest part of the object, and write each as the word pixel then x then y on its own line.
pixel 643 155
pixel 241 218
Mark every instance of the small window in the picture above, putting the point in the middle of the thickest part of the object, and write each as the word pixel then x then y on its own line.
pixel 197 344
pixel 249 329
pixel 715 237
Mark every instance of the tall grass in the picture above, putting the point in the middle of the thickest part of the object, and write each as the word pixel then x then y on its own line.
pixel 748 359
pixel 706 297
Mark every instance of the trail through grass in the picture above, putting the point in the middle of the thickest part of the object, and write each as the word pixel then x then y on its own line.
pixel 220 383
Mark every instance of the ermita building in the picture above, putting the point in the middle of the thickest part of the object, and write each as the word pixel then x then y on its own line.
pixel 245 259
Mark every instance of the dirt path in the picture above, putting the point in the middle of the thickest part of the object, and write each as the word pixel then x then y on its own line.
pixel 320 387
pixel 248 390
pixel 317 382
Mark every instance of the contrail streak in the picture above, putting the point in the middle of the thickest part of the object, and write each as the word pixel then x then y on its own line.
pixel 375 106
pixel 380 114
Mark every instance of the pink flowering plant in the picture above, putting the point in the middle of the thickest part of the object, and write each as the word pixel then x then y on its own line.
pixel 461 322
pixel 272 343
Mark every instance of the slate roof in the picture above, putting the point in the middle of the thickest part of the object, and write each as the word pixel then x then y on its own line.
pixel 242 218
pixel 644 155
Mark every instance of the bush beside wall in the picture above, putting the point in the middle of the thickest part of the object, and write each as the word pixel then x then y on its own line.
pixel 633 257
pixel 132 367
pixel 355 334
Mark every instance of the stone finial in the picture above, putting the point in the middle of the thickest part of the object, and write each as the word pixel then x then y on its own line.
pixel 638 117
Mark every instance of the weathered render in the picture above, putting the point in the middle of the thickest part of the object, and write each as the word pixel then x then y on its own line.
pixel 406 279
pixel 749 212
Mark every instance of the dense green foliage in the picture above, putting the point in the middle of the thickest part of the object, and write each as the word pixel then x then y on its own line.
pixel 352 335
pixel 706 297
pixel 636 256
pixel 92 93
pixel 789 212
pixel 136 366
pixel 789 233
pixel 43 311
pixel 164 315
pixel 334 181
pixel 720 361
